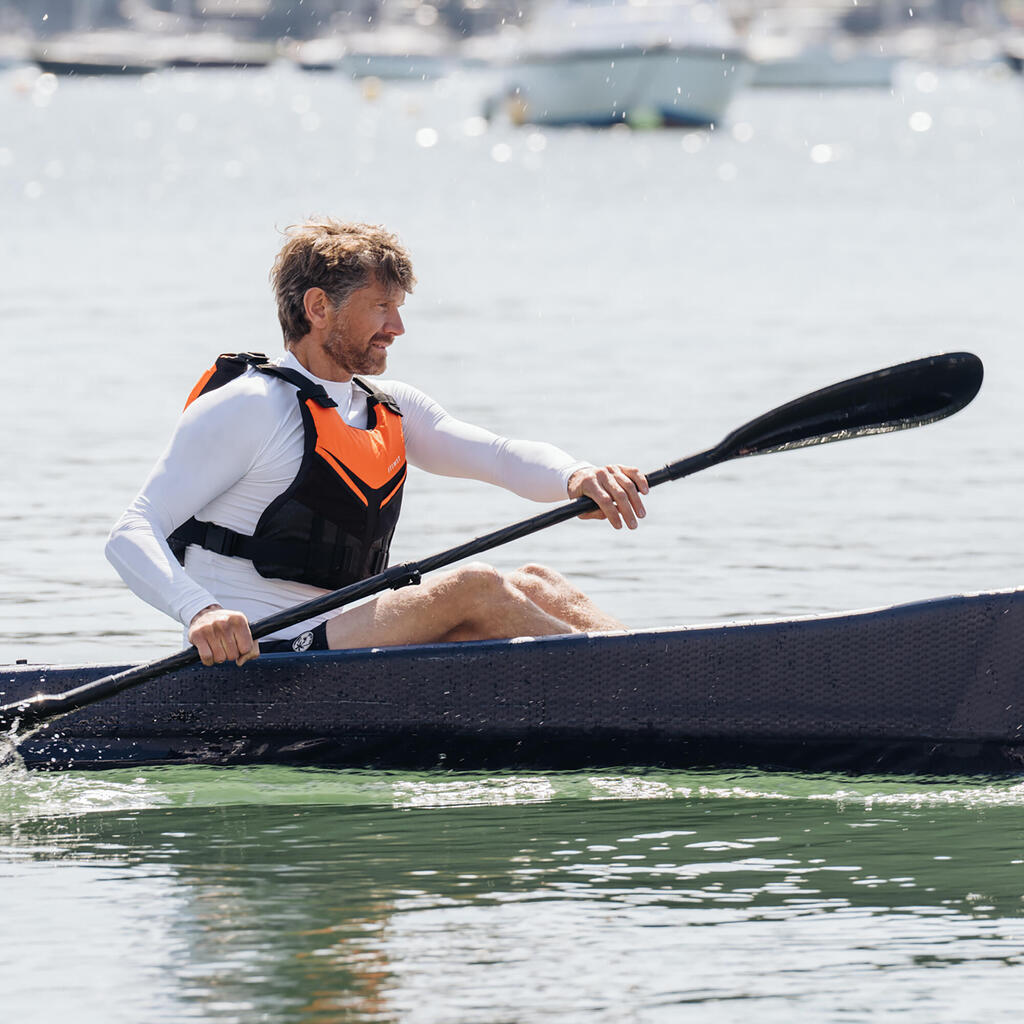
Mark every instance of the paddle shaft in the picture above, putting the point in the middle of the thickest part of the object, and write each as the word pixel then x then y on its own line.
pixel 899 397
pixel 47 707
pixel 410 572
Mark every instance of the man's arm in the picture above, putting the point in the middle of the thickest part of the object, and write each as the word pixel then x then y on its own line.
pixel 213 446
pixel 439 443
pixel 137 549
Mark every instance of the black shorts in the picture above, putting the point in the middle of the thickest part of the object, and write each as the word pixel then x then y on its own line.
pixel 314 639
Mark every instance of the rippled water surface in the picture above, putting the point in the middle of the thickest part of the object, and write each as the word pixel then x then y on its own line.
pixel 631 296
pixel 285 895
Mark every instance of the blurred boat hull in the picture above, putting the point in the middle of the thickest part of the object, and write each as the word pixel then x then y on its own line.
pixel 663 62
pixel 691 86
pixel 825 67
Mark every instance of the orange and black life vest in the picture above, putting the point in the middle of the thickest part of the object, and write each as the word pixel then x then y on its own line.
pixel 333 525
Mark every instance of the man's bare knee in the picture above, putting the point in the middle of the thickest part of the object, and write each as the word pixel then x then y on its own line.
pixel 476 585
pixel 489 604
pixel 540 572
pixel 478 577
pixel 553 593
pixel 531 577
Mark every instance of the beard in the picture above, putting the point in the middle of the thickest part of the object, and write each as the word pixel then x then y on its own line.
pixel 356 357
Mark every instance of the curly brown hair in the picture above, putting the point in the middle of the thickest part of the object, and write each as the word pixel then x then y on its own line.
pixel 338 257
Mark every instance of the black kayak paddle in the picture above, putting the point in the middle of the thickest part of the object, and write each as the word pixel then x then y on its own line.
pixel 896 398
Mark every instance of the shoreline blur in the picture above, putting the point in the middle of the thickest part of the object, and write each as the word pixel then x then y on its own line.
pixel 135 37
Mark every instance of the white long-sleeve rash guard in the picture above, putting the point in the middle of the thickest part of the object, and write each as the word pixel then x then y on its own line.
pixel 238 447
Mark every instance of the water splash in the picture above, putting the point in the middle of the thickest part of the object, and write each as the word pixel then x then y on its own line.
pixel 27 795
pixel 10 759
pixel 30 794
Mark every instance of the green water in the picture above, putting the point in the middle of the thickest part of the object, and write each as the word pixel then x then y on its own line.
pixel 279 895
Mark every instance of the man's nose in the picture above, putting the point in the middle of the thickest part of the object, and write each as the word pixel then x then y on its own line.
pixel 394 324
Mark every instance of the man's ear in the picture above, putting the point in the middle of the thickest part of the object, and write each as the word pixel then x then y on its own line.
pixel 317 306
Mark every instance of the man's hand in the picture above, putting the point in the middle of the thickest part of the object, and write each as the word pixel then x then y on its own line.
pixel 615 489
pixel 220 635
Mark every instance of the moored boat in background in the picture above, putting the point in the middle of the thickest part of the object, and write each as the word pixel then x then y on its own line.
pixel 397 52
pixel 930 686
pixel 827 64
pixel 214 50
pixel 108 52
pixel 642 61
pixel 807 47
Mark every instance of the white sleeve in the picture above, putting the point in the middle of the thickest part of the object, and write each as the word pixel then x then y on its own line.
pixel 440 443
pixel 213 446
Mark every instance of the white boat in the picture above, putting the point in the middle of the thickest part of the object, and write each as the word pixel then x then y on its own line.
pixel 807 47
pixel 101 52
pixel 397 51
pixel 210 49
pixel 609 61
pixel 823 65
pixel 323 53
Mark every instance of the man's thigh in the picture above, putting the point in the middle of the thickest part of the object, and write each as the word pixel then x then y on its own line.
pixel 412 615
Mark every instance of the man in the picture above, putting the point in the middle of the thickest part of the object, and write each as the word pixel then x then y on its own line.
pixel 284 479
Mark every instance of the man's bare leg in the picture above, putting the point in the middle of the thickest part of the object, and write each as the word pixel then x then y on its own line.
pixel 552 592
pixel 475 602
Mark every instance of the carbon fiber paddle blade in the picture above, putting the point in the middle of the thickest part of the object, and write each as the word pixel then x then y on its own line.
pixel 896 398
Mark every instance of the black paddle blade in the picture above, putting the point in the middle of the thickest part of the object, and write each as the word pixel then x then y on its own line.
pixel 896 398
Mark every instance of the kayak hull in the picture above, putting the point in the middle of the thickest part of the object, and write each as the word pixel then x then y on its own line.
pixel 933 686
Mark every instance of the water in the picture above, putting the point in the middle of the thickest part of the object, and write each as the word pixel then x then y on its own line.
pixel 279 895
pixel 631 296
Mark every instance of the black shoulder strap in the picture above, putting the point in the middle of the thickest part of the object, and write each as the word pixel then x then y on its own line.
pixel 227 367
pixel 249 358
pixel 232 364
pixel 378 397
pixel 307 388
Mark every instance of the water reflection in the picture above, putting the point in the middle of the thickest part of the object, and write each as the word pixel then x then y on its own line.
pixel 551 908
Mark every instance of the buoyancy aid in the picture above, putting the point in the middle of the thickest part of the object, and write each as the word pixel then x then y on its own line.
pixel 333 525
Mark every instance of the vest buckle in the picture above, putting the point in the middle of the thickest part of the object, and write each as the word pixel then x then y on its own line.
pixel 219 540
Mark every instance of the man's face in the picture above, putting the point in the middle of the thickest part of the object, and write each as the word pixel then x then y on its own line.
pixel 363 327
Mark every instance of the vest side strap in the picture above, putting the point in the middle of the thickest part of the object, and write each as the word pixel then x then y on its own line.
pixel 222 540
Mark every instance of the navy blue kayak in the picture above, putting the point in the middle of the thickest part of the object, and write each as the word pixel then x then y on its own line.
pixel 933 686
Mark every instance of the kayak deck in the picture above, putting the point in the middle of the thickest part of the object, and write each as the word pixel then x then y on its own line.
pixel 931 686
